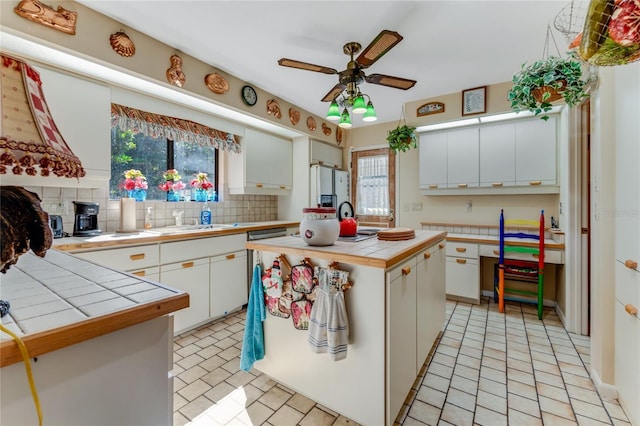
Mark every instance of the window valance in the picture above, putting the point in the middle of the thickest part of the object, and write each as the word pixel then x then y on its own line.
pixel 176 129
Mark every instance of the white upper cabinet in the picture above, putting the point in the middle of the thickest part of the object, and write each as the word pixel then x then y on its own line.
pixel 265 165
pixel 462 158
pixel 498 155
pixel 536 152
pixel 325 154
pixel 433 160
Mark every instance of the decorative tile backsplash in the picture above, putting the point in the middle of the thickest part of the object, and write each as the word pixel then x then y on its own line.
pixel 232 208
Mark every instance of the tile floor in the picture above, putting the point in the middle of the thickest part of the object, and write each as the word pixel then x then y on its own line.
pixel 487 369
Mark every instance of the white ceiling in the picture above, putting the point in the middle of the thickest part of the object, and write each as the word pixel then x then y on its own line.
pixel 448 45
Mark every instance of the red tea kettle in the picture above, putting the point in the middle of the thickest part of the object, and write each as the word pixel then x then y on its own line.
pixel 348 224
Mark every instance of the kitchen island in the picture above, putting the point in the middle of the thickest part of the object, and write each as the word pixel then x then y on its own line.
pixel 396 308
pixel 99 340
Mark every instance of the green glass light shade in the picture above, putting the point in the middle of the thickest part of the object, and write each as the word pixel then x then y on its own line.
pixel 359 107
pixel 334 112
pixel 370 115
pixel 345 120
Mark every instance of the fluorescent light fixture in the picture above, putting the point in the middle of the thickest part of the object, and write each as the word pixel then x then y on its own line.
pixel 449 124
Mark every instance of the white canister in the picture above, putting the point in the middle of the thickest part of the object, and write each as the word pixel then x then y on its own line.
pixel 319 226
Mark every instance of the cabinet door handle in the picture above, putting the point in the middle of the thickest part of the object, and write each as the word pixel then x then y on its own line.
pixel 462 261
pixel 461 249
pixel 283 187
pixel 138 256
pixel 497 184
pixel 441 245
pixel 230 256
pixel 433 186
pixel 631 264
pixel 138 273
pixel 631 310
pixel 496 252
pixel 258 185
pixel 406 270
pixel 462 185
pixel 535 255
pixel 535 182
pixel 427 255
pixel 187 265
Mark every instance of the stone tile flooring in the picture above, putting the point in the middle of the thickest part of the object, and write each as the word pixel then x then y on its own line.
pixel 486 369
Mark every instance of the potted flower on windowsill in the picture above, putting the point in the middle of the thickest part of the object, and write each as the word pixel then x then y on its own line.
pixel 402 138
pixel 545 81
pixel 135 183
pixel 202 185
pixel 172 184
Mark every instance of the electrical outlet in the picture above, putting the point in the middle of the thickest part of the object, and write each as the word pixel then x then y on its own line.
pixel 469 205
pixel 53 208
pixel 64 207
pixel 416 207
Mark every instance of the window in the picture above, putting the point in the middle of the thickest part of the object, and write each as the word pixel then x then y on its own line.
pixel 374 186
pixel 152 156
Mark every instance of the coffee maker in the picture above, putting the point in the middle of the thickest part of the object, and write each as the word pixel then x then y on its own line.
pixel 86 222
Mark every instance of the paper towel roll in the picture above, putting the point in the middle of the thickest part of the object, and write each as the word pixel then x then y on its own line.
pixel 127 214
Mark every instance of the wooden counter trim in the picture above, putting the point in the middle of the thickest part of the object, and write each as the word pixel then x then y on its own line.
pixel 310 252
pixel 51 340
pixel 146 239
pixel 481 239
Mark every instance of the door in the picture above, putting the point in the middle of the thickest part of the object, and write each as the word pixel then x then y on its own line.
pixel 374 186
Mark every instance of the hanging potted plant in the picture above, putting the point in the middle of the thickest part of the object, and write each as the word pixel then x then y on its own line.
pixel 402 138
pixel 545 81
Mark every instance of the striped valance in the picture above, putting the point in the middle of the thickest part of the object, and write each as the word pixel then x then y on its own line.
pixel 176 129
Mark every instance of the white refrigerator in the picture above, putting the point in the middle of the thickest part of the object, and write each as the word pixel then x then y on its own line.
pixel 329 186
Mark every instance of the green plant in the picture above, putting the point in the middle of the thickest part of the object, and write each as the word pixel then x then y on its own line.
pixel 402 138
pixel 553 73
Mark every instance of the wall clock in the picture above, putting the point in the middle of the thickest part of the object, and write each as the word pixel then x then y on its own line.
pixel 249 95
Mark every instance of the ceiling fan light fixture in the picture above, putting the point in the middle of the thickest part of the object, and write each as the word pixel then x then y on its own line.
pixel 359 106
pixel 334 111
pixel 345 120
pixel 370 115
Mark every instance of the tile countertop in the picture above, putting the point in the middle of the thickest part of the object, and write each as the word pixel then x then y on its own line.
pixel 145 237
pixel 60 300
pixel 369 252
pixel 489 234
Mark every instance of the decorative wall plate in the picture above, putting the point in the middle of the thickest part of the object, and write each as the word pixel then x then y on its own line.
pixel 430 108
pixel 273 108
pixel 339 135
pixel 311 123
pixel 216 83
pixel 122 44
pixel 326 129
pixel 294 116
pixel 59 19
pixel 249 95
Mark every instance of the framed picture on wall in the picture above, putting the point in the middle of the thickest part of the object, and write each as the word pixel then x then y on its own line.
pixel 474 101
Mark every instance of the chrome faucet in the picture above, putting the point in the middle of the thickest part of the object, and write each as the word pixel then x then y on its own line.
pixel 178 217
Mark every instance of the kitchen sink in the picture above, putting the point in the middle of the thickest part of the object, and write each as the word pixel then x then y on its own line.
pixel 178 229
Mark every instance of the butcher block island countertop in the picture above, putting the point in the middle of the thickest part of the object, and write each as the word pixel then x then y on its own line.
pixel 395 309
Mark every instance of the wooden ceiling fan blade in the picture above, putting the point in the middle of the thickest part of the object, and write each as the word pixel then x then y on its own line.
pixel 378 47
pixel 337 89
pixel 306 66
pixel 390 81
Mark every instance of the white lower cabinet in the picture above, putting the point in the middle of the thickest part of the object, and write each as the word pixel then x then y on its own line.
pixel 193 277
pixel 152 273
pixel 430 295
pixel 228 288
pixel 401 332
pixel 463 271
pixel 627 356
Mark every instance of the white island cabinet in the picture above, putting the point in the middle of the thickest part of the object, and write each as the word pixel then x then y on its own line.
pixel 387 308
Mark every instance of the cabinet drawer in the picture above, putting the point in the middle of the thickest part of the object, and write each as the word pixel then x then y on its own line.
pixel 467 250
pixel 124 259
pixel 550 256
pixel 404 268
pixel 152 273
pixel 203 247
pixel 627 285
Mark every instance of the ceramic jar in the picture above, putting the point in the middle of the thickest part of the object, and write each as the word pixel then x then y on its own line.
pixel 319 226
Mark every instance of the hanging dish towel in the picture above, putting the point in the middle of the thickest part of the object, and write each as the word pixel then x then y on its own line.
pixel 253 339
pixel 328 322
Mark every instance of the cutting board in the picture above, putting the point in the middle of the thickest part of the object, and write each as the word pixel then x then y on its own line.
pixel 396 234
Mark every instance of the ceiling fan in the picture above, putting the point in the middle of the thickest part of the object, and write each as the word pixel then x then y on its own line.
pixel 354 74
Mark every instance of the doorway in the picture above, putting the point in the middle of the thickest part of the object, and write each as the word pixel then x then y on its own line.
pixel 374 186
pixel 584 136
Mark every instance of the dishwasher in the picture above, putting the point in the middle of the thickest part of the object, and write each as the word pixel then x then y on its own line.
pixel 260 235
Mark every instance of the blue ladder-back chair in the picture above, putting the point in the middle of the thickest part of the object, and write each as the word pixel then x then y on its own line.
pixel 529 271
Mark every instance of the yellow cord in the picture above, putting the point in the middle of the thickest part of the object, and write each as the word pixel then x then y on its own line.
pixel 27 366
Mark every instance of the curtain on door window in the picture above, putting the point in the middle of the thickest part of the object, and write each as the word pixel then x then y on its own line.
pixel 373 186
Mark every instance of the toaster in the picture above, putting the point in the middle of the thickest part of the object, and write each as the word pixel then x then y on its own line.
pixel 55 221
